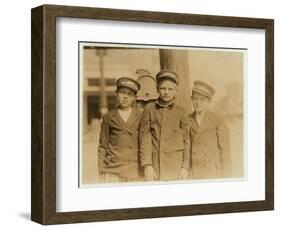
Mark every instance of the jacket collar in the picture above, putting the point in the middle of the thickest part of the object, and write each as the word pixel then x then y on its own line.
pixel 163 105
pixel 117 120
pixel 204 123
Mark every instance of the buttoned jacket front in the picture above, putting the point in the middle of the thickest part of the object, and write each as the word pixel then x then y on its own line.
pixel 210 147
pixel 118 148
pixel 163 140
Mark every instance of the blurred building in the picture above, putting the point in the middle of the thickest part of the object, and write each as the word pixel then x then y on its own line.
pixel 102 67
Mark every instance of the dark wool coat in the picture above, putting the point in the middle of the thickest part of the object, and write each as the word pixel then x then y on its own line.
pixel 210 147
pixel 163 140
pixel 118 148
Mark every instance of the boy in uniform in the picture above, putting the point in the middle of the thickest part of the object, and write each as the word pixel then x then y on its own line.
pixel 118 148
pixel 164 146
pixel 209 134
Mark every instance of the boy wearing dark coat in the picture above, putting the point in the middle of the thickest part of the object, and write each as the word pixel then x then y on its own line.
pixel 164 146
pixel 209 134
pixel 118 148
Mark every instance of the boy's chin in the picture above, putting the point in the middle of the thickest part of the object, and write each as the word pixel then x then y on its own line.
pixel 166 100
pixel 124 106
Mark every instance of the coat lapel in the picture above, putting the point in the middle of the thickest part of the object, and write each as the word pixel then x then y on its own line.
pixel 203 125
pixel 117 120
pixel 194 127
pixel 132 118
pixel 194 124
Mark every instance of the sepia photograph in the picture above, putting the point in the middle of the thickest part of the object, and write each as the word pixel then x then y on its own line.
pixel 173 109
pixel 159 113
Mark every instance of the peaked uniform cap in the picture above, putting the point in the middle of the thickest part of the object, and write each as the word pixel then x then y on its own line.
pixel 167 74
pixel 128 83
pixel 203 89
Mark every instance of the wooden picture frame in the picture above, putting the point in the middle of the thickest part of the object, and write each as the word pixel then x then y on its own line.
pixel 43 188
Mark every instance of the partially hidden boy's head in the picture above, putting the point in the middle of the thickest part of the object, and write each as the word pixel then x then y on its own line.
pixel 167 85
pixel 127 89
pixel 202 94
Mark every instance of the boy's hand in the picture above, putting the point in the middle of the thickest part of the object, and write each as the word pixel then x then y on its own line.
pixel 183 174
pixel 149 173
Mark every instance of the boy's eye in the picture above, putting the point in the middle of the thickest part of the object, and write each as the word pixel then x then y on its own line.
pixel 125 93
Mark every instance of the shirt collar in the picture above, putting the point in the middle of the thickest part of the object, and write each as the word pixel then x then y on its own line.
pixel 125 111
pixel 201 114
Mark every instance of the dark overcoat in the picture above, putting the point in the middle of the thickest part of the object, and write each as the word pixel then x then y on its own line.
pixel 118 147
pixel 163 140
pixel 210 147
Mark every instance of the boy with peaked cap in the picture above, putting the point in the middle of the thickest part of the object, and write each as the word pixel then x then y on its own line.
pixel 118 148
pixel 209 134
pixel 164 148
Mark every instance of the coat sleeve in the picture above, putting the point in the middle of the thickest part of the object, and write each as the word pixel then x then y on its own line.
pixel 145 142
pixel 103 143
pixel 223 137
pixel 185 125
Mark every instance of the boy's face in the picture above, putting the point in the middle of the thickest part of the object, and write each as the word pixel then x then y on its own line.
pixel 200 102
pixel 125 97
pixel 167 90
